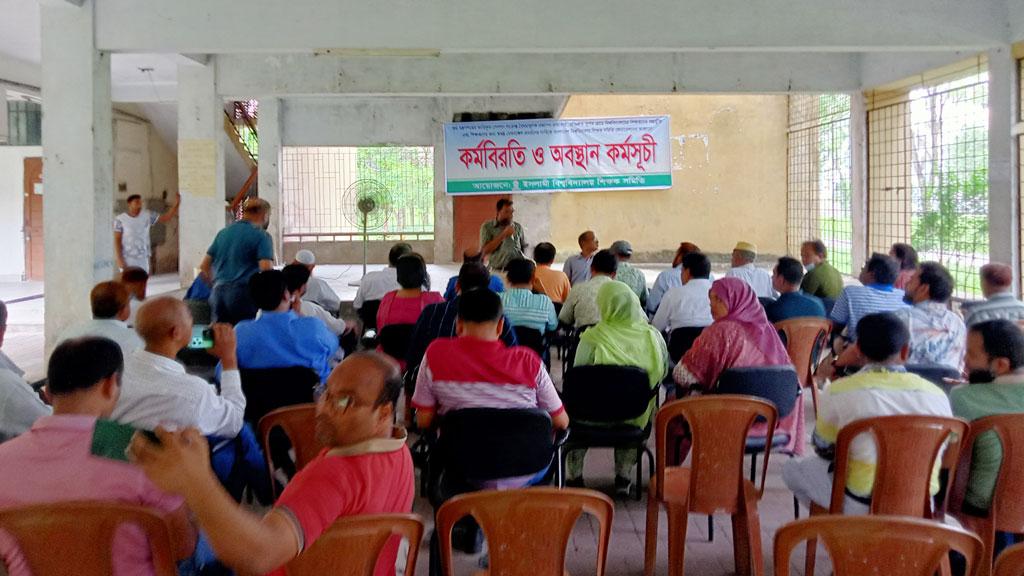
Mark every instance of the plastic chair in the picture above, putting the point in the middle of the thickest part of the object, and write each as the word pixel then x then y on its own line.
pixel 598 399
pixel 367 314
pixel 77 537
pixel 394 340
pixel 878 544
pixel 1006 513
pixel 267 389
pixel 299 424
pixel 1011 562
pixel 681 340
pixel 936 374
pixel 534 340
pixel 805 340
pixel 352 545
pixel 714 482
pixel 519 543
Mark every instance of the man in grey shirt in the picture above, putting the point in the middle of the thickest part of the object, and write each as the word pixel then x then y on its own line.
pixel 502 240
pixel 19 404
pixel 577 266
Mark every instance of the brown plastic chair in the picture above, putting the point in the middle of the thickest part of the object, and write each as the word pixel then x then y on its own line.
pixel 714 482
pixel 1011 562
pixel 56 537
pixel 351 546
pixel 1006 513
pixel 299 424
pixel 908 447
pixel 805 339
pixel 527 530
pixel 860 545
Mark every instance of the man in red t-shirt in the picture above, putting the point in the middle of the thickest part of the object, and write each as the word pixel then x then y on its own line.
pixel 365 469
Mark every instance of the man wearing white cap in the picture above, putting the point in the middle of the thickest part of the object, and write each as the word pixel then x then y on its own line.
pixel 318 290
pixel 759 280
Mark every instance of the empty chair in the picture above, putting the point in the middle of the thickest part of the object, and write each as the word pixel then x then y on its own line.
pixel 527 530
pixel 805 339
pixel 681 340
pixel 1011 562
pixel 368 314
pixel 267 389
pixel 714 482
pixel 860 545
pixel 299 425
pixel 77 537
pixel 394 340
pixel 353 545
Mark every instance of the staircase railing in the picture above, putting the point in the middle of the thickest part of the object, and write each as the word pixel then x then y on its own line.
pixel 242 118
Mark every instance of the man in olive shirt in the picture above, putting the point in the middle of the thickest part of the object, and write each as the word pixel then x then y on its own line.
pixel 822 279
pixel 502 239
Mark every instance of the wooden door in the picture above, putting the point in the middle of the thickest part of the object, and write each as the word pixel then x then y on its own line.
pixel 33 218
pixel 470 212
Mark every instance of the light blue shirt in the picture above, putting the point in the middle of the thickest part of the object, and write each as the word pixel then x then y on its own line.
pixel 670 278
pixel 285 339
pixel 529 310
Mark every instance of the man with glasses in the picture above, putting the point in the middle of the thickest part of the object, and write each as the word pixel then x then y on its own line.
pixel 364 468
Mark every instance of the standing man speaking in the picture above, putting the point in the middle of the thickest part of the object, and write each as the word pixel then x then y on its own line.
pixel 238 252
pixel 131 232
pixel 502 240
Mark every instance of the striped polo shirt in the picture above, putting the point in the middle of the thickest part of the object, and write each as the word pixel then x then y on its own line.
pixel 466 372
pixel 529 310
pixel 856 302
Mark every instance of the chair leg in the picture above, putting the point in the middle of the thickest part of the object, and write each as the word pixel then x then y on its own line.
pixel 812 543
pixel 751 521
pixel 711 528
pixel 560 471
pixel 796 508
pixel 753 467
pixel 678 518
pixel 651 535
pixel 639 471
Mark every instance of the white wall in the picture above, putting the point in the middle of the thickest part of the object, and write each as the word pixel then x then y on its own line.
pixel 12 185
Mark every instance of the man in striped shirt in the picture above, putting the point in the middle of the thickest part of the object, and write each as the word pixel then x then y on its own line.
pixel 999 303
pixel 523 307
pixel 876 295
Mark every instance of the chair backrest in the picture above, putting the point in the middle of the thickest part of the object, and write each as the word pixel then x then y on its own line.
pixel 299 424
pixel 488 443
pixel 681 340
pixel 527 530
pixel 352 545
pixel 805 338
pixel 531 338
pixel 77 537
pixel 718 426
pixel 908 447
pixel 267 389
pixel 935 374
pixel 602 393
pixel 368 314
pixel 395 339
pixel 879 544
pixel 777 384
pixel 1010 562
pixel 1007 508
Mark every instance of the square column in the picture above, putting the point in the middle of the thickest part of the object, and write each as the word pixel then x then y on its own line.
pixel 270 114
pixel 1003 212
pixel 858 179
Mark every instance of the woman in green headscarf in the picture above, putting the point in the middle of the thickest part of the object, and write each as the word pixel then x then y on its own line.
pixel 622 338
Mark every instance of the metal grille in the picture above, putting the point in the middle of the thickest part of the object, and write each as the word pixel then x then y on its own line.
pixel 819 198
pixel 24 120
pixel 928 175
pixel 318 185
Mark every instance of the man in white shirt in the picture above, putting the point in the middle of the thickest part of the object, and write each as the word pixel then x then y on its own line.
pixel 375 285
pixel 687 306
pixel 318 290
pixel 156 389
pixel 20 406
pixel 110 310
pixel 759 280
pixel 131 232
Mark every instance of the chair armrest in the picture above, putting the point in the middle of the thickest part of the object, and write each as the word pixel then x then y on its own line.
pixel 561 437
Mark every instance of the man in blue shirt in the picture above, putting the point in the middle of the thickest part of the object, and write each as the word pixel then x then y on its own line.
pixel 279 337
pixel 238 252
pixel 876 295
pixel 522 306
pixel 472 256
pixel 791 303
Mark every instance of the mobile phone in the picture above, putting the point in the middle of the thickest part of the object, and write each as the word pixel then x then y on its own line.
pixel 202 338
pixel 111 439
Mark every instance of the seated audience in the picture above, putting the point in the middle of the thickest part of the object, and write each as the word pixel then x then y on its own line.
pixel 53 461
pixel 135 280
pixel 297 281
pixel 580 308
pixel 473 256
pixel 20 406
pixel 375 285
pixel 792 302
pixel 626 273
pixel 995 368
pixel 670 278
pixel 822 279
pixel 404 306
pixel 110 311
pixel 882 388
pixel 318 291
pixel 577 267
pixel 906 256
pixel 687 305
pixel 937 334
pixel 1000 302
pixel 621 338
pixel 440 320
pixel 876 295
pixel 279 337
pixel 364 468
pixel 522 306
pixel 760 281
pixel 546 280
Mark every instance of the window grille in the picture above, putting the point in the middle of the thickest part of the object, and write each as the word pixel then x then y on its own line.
pixel 819 196
pixel 24 121
pixel 317 185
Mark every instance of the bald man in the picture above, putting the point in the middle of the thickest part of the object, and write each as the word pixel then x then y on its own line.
pixel 1000 303
pixel 157 391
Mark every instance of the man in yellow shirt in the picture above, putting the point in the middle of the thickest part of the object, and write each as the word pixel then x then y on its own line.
pixel 546 279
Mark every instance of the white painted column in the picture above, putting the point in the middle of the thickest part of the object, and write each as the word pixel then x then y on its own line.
pixel 200 121
pixel 1003 211
pixel 858 179
pixel 78 164
pixel 444 217
pixel 269 128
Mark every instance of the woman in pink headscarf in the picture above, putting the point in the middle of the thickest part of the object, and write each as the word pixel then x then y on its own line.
pixel 740 337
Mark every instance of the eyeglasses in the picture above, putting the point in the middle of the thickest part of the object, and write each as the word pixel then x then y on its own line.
pixel 340 403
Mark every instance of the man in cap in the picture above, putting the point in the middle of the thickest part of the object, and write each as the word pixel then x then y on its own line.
pixel 318 291
pixel 759 280
pixel 626 273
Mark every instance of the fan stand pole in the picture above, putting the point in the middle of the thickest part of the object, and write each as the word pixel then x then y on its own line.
pixel 366 240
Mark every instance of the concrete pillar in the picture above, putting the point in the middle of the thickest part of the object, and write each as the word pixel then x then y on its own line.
pixel 1003 193
pixel 444 217
pixel 78 164
pixel 269 127
pixel 200 124
pixel 858 180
